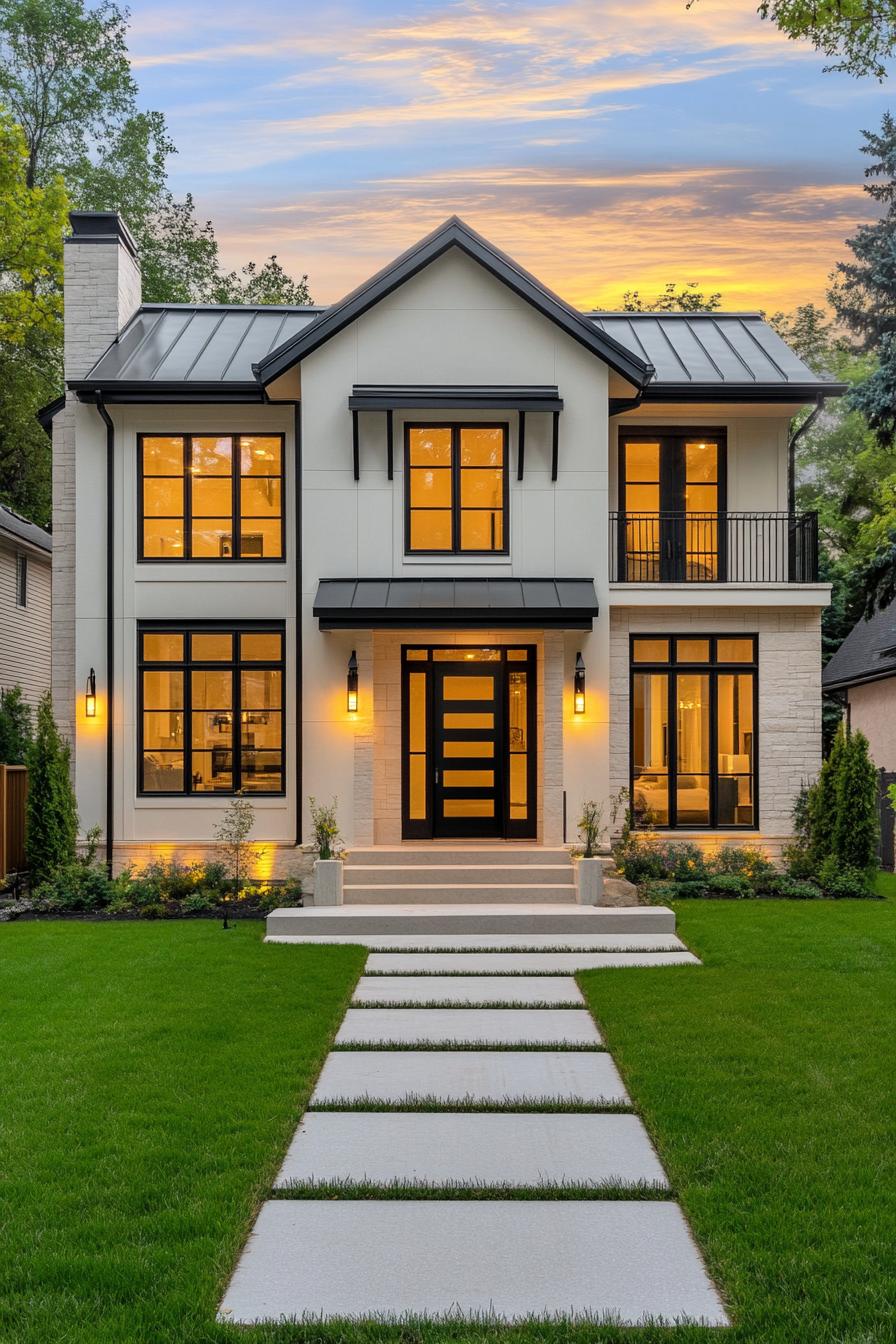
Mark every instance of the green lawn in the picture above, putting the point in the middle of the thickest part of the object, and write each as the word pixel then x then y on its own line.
pixel 153 1074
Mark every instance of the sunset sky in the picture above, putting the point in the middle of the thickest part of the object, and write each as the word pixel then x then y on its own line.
pixel 606 144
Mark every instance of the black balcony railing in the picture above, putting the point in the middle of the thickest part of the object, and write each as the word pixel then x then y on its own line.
pixel 713 548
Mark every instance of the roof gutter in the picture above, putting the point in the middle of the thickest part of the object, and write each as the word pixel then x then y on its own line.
pixel 791 451
pixel 110 623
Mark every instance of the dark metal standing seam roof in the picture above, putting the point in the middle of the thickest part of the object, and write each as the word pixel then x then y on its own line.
pixel 866 654
pixel 733 354
pixel 358 604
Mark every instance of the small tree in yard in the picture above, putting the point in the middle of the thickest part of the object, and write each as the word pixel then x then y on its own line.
pixel 822 803
pixel 15 727
pixel 590 826
pixel 856 829
pixel 52 815
pixel 326 828
pixel 233 833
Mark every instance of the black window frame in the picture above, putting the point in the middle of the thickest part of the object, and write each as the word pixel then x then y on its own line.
pixel 456 508
pixel 21 580
pixel 235 476
pixel 713 669
pixel 186 665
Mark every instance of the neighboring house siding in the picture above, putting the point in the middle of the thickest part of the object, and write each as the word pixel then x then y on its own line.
pixel 872 711
pixel 789 726
pixel 25 645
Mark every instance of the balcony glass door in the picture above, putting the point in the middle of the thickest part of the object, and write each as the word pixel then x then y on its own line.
pixel 671 488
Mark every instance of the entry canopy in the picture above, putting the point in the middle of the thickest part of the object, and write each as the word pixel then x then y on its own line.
pixel 455 604
pixel 376 398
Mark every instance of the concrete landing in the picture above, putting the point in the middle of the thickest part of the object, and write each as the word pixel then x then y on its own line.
pixel 474 1026
pixel 518 942
pixel 392 1077
pixel 470 989
pixel 428 1148
pixel 480 918
pixel 630 1262
pixel 520 963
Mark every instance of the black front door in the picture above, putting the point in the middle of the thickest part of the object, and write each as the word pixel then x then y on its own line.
pixel 468 743
pixel 468 779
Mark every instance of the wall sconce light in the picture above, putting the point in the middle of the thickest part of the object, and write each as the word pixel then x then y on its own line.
pixel 90 696
pixel 351 684
pixel 579 686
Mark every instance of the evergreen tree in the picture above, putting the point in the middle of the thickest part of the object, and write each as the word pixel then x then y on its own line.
pixel 15 726
pixel 856 828
pixel 52 818
pixel 822 802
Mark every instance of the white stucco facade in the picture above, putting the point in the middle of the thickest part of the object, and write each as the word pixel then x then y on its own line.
pixel 453 323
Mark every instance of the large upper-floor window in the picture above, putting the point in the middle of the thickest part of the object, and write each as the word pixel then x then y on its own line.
pixel 693 730
pixel 211 709
pixel 456 489
pixel 211 496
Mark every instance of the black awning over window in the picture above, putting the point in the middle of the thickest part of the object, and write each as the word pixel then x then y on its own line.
pixel 485 397
pixel 365 604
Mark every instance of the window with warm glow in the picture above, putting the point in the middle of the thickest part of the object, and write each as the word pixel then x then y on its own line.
pixel 693 746
pixel 672 499
pixel 211 497
pixel 211 710
pixel 456 488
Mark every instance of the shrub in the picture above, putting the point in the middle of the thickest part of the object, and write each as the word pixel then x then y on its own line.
pixel 743 861
pixel 198 903
pixel 75 886
pixel 52 817
pixel 821 804
pixel 793 889
pixel 856 824
pixel 326 828
pixel 843 883
pixel 686 862
pixel 15 727
pixel 642 859
pixel 735 886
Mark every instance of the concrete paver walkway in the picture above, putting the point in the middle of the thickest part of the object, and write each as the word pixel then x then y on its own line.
pixel 515 1108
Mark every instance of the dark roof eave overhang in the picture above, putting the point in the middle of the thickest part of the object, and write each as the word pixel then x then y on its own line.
pixel 370 398
pixel 436 619
pixel 453 233
pixel 455 604
pixel 861 679
pixel 170 393
pixel 742 392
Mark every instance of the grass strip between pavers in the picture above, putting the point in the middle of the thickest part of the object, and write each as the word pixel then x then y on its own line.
pixel 474 1106
pixel 589 1047
pixel 419 1004
pixel 460 1190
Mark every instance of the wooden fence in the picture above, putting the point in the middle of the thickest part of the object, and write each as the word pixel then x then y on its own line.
pixel 13 792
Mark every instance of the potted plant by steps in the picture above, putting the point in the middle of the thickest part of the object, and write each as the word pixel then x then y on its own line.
pixel 589 868
pixel 328 865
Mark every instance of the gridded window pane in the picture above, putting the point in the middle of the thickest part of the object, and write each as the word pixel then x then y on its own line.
pixel 736 800
pixel 459 652
pixel 482 447
pixel 734 651
pixel 260 456
pixel 701 499
pixel 262 728
pixel 701 461
pixel 260 538
pixel 163 690
pixel 214 647
pixel 262 771
pixel 211 457
pixel 212 496
pixel 650 747
pixel 692 650
pixel 163 646
pixel 430 447
pixel 212 539
pixel 163 771
pixel 261 648
pixel 642 462
pixel 163 730
pixel 261 497
pixel 417 788
pixel 642 498
pixel 481 530
pixel 212 689
pixel 212 771
pixel 468 688
pixel 650 651
pixel 163 497
pixel 430 488
pixel 211 730
pixel 163 457
pixel 481 489
pixel 163 539
pixel 261 688
pixel 430 530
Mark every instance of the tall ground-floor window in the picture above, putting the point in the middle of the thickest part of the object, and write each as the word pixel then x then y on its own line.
pixel 210 709
pixel 693 730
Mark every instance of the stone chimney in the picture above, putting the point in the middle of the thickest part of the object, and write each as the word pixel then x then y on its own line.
pixel 102 286
pixel 102 292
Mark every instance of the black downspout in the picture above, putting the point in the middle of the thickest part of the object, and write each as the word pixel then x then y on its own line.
pixel 110 625
pixel 297 412
pixel 791 454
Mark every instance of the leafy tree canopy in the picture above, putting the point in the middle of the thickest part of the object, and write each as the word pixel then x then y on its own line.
pixel 31 224
pixel 861 33
pixel 673 298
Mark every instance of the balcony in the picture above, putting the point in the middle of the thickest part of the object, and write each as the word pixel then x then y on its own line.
pixel 747 548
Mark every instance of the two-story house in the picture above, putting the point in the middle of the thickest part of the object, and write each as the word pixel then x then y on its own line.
pixel 449 549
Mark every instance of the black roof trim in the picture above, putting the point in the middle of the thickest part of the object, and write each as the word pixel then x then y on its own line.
pixel 454 233
pixel 101 226
pixel 376 398
pixel 129 393
pixel 445 604
pixel 47 414
pixel 771 392
pixel 13 525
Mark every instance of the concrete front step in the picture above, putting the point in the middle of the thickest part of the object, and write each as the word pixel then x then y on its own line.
pixel 468 873
pixel 467 989
pixel 451 1148
pixel 496 966
pixel 495 855
pixel 468 1026
pixel 536 918
pixel 633 1262
pixel 456 894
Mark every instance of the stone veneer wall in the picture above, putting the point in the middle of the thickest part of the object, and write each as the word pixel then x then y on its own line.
pixel 378 754
pixel 789 727
pixel 269 860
